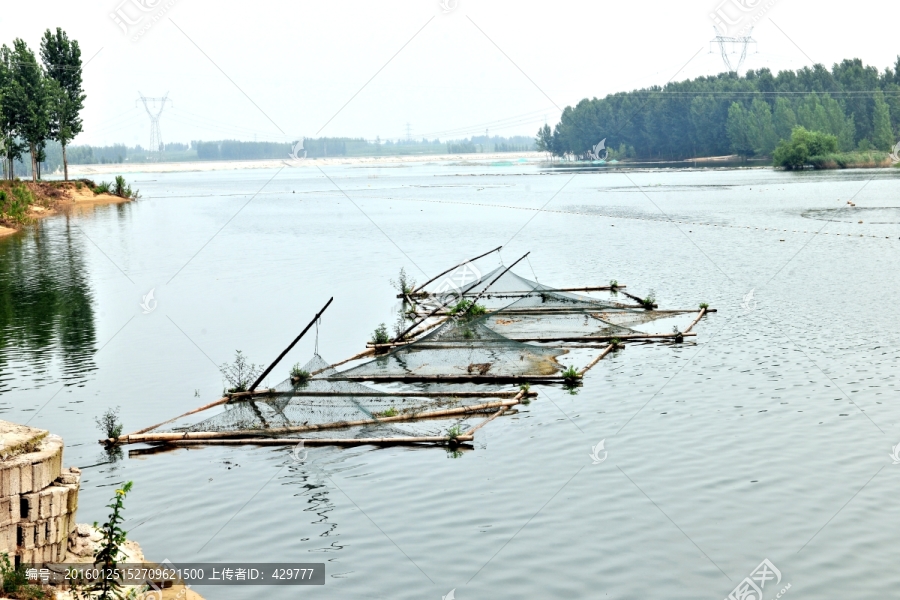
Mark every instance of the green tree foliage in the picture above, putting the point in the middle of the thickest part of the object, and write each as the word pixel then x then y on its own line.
pixel 65 97
pixel 784 119
pixel 803 145
pixel 728 113
pixel 39 102
pixel 27 95
pixel 738 127
pixel 10 146
pixel 882 134
pixel 544 139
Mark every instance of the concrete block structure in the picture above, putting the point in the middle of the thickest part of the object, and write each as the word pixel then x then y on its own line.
pixel 38 497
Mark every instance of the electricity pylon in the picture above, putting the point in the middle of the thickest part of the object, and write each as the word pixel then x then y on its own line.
pixel 740 41
pixel 156 143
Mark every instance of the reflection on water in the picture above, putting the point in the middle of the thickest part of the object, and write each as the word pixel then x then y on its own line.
pixel 46 316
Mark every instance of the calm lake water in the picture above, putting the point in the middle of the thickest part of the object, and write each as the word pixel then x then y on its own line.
pixel 768 436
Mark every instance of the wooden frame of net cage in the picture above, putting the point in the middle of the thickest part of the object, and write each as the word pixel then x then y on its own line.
pixel 514 337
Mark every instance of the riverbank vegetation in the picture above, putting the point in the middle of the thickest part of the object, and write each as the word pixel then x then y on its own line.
pixel 39 102
pixel 731 114
pixel 820 151
pixel 23 201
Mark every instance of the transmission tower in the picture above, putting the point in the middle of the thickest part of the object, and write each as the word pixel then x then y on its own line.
pixel 156 143
pixel 408 133
pixel 728 48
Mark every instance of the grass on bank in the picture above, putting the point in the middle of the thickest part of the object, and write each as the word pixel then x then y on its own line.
pixel 17 196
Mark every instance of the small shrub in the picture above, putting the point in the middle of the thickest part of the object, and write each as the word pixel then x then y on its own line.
pixel 616 343
pixel 391 412
pixel 703 305
pixel 109 423
pixel 107 556
pixel 380 336
pixel 404 284
pixel 454 432
pixel 102 188
pixel 298 374
pixel 240 374
pixel 467 308
pixel 121 189
pixel 650 301
pixel 571 375
pixel 468 334
pixel 400 325
pixel 613 283
pixel 14 581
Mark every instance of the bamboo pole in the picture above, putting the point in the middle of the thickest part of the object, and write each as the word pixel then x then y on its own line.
pixel 411 327
pixel 394 441
pixel 606 351
pixel 503 409
pixel 411 378
pixel 291 345
pixel 362 354
pixel 605 338
pixel 200 435
pixel 190 412
pixel 471 432
pixel 641 300
pixel 450 394
pixel 586 338
pixel 416 289
pixel 526 293
pixel 695 321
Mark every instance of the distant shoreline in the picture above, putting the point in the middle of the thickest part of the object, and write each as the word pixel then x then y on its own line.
pixel 96 171
pixel 228 165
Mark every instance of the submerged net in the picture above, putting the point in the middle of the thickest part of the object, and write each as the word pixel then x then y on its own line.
pixel 320 401
pixel 523 309
pixel 463 348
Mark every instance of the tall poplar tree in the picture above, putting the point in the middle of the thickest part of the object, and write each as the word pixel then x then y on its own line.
pixel 28 100
pixel 62 62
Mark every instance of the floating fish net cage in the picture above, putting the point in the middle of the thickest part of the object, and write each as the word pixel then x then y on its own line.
pixel 520 309
pixel 321 408
pixel 460 367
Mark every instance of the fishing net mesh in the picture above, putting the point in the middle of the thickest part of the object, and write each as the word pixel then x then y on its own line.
pixel 320 401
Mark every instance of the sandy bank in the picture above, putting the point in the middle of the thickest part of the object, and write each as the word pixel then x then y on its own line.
pixel 51 198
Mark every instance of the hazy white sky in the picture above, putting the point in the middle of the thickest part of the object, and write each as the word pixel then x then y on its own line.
pixel 279 70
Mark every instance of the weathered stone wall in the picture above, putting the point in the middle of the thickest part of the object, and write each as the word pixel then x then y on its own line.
pixel 38 497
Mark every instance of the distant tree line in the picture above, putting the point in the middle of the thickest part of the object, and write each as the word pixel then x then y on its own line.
pixel 52 155
pixel 39 102
pixel 727 113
